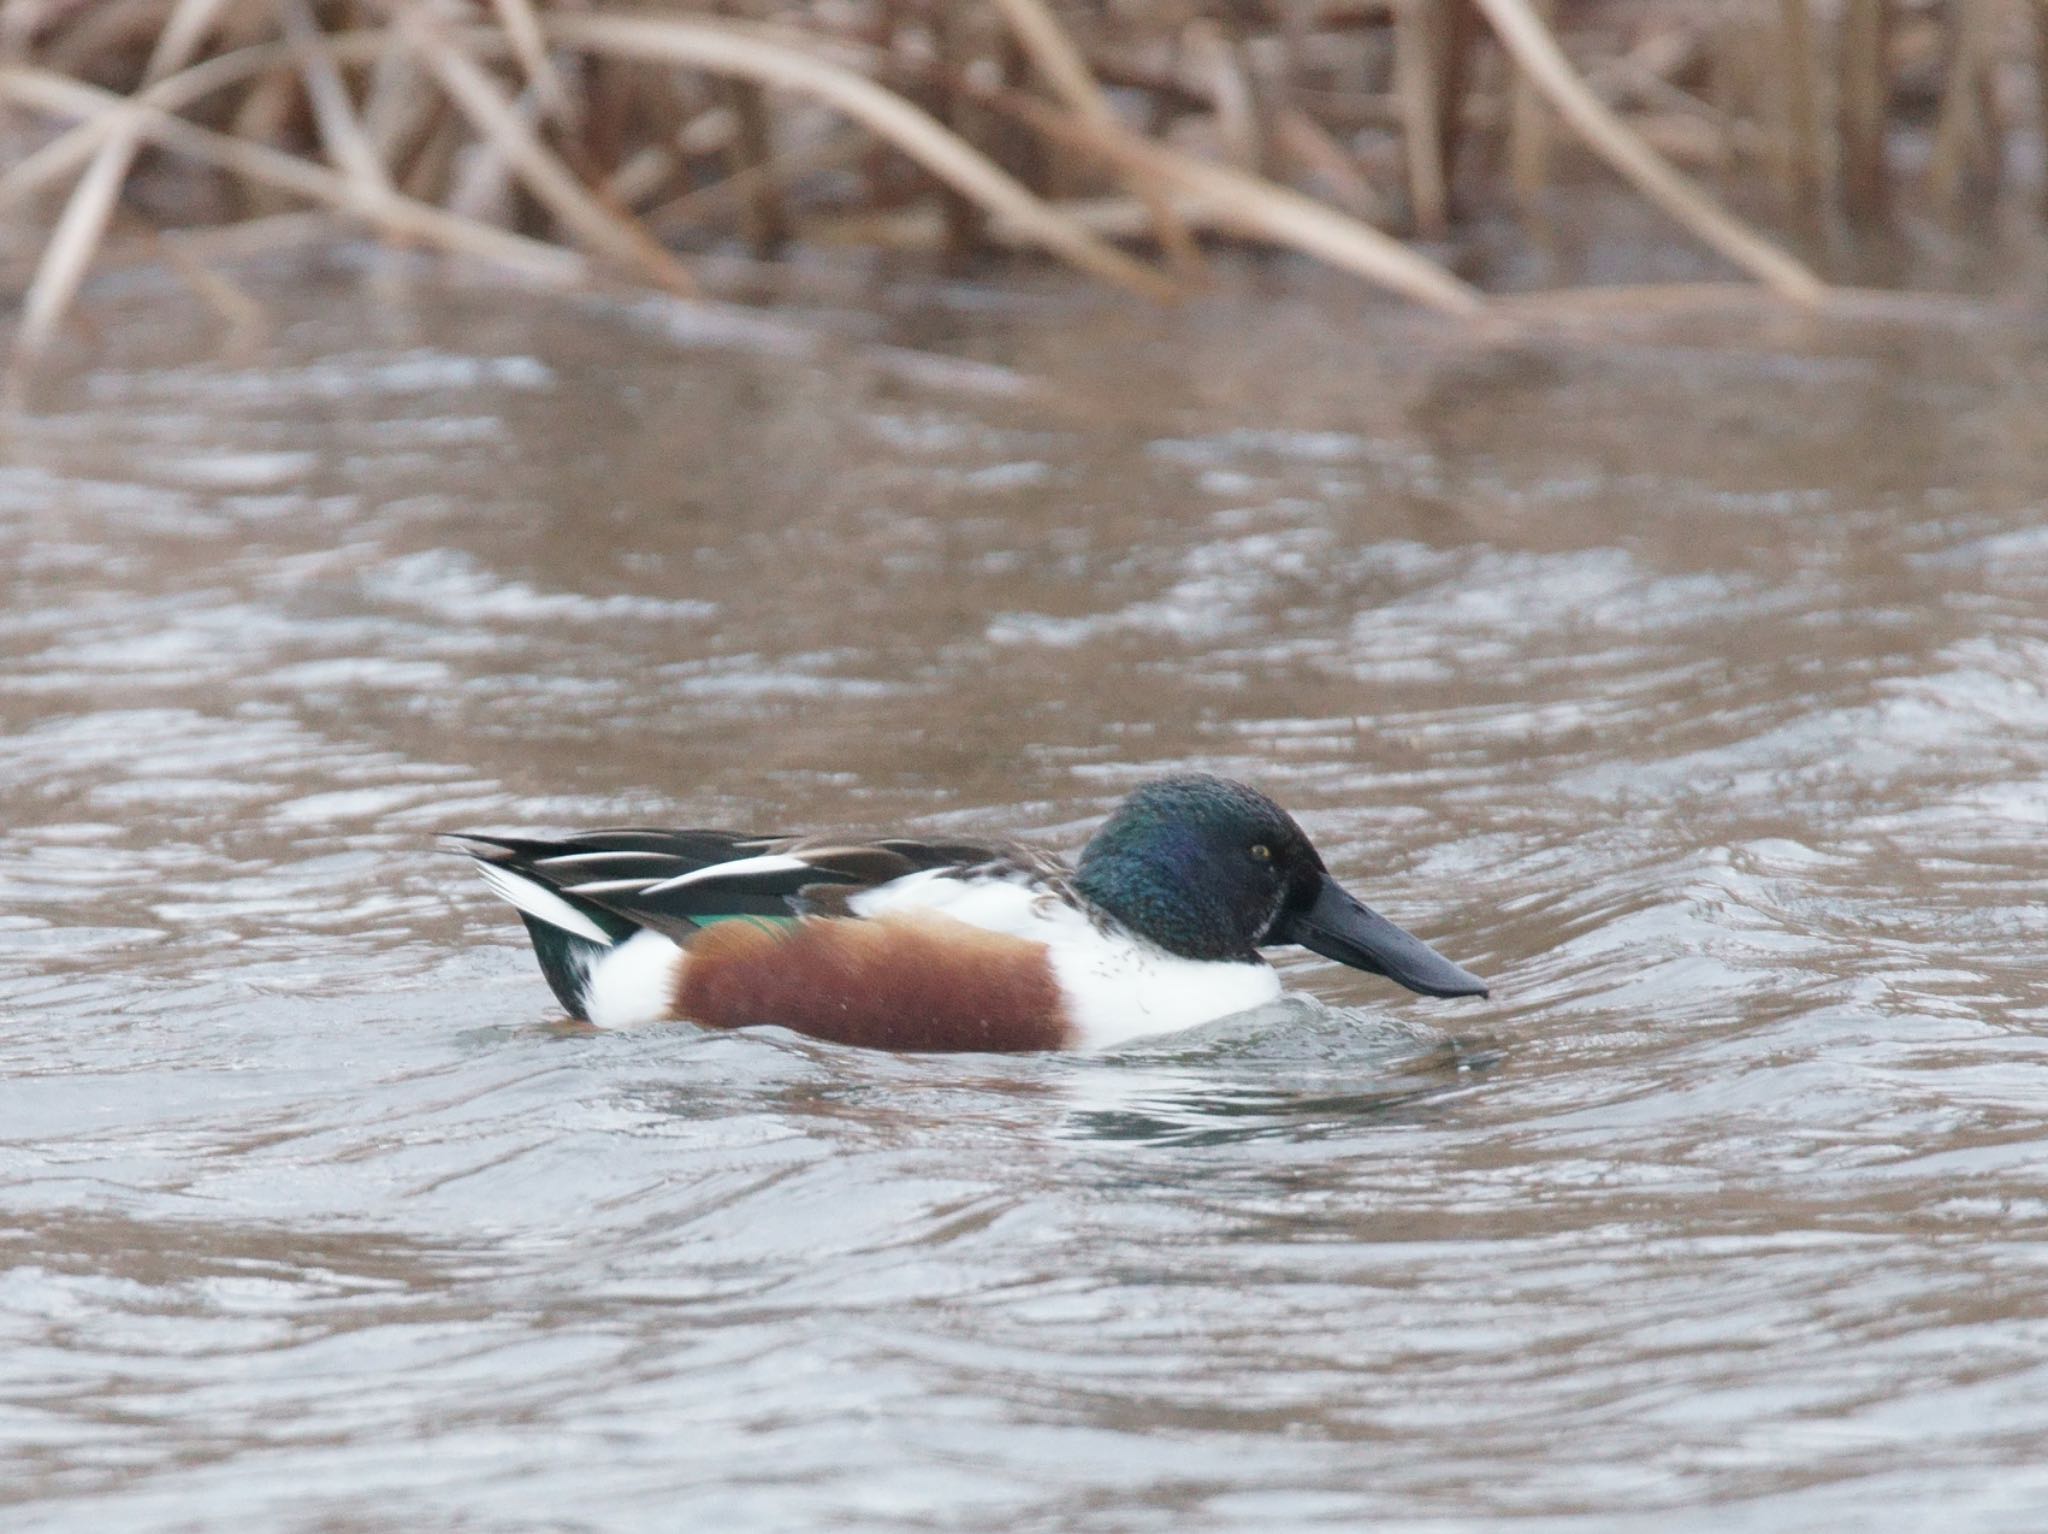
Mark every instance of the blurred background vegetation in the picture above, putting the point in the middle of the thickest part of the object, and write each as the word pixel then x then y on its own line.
pixel 574 142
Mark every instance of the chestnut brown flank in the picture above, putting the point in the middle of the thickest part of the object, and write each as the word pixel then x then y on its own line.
pixel 907 982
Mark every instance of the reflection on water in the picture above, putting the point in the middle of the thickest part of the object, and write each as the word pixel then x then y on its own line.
pixel 1686 679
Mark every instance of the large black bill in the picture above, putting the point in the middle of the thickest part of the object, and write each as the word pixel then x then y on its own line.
pixel 1339 926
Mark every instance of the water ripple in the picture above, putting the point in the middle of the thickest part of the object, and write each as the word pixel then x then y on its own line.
pixel 1689 688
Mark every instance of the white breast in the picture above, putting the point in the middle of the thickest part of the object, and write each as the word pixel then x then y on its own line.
pixel 1121 989
pixel 1118 987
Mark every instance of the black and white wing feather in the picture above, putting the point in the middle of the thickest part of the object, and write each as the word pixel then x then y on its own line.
pixel 603 885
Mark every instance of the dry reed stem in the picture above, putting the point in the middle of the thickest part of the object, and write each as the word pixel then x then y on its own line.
pixel 262 116
pixel 398 214
pixel 478 97
pixel 54 160
pixel 1458 33
pixel 1528 134
pixel 1865 93
pixel 1737 134
pixel 750 153
pixel 245 318
pixel 672 42
pixel 1802 111
pixel 706 203
pixel 480 183
pixel 641 174
pixel 170 93
pixel 529 46
pixel 1418 89
pixel 938 94
pixel 2041 81
pixel 1299 135
pixel 1961 134
pixel 1053 54
pixel 388 111
pixel 1990 112
pixel 748 54
pixel 436 166
pixel 108 29
pixel 1218 62
pixel 398 106
pixel 715 201
pixel 182 35
pixel 83 222
pixel 253 237
pixel 1536 51
pixel 1273 213
pixel 340 130
pixel 1746 100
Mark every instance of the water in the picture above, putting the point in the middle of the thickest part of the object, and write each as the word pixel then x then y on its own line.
pixel 1685 677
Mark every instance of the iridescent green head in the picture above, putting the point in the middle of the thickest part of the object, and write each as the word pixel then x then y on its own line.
pixel 1208 868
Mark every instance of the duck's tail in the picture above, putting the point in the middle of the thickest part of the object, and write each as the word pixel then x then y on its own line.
pixel 571 936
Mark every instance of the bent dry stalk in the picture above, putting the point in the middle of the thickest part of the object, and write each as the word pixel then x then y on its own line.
pixel 607 131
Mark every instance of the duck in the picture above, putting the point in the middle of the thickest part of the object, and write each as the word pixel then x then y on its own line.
pixel 911 945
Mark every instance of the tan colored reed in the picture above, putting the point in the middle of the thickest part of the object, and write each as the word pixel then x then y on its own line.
pixel 564 140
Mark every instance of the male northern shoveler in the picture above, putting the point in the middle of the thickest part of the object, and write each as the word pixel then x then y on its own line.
pixel 915 945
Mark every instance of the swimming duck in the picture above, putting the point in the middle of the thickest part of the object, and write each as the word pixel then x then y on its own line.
pixel 913 945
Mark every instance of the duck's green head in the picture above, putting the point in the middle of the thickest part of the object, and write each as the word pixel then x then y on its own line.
pixel 1210 869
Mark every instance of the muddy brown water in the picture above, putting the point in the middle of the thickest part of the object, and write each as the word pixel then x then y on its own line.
pixel 1686 679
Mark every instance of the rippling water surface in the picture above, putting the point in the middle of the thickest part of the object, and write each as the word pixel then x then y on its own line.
pixel 1687 680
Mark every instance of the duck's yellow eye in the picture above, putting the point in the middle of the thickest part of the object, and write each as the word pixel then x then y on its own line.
pixel 1261 853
